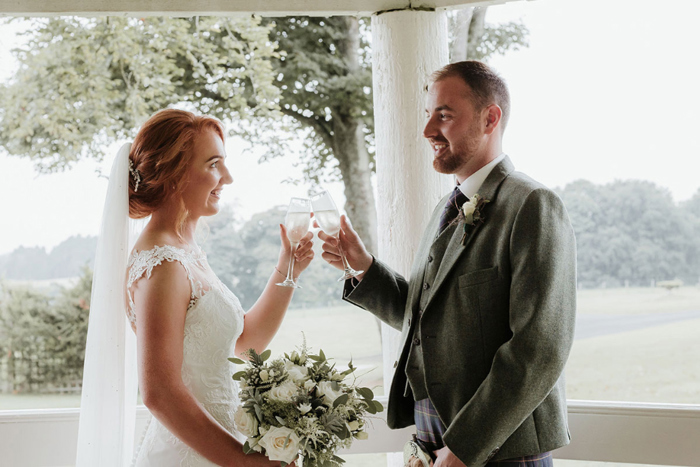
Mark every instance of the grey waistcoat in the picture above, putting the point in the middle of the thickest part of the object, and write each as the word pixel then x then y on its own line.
pixel 415 370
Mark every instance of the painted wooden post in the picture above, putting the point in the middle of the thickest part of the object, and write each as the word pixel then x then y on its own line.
pixel 407 46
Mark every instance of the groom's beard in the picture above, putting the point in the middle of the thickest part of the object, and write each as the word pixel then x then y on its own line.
pixel 458 155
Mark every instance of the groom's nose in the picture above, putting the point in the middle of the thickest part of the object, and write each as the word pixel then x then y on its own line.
pixel 430 129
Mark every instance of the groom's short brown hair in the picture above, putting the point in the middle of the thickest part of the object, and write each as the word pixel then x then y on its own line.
pixel 486 85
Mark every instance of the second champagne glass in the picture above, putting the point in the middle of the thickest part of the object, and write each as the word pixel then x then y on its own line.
pixel 297 224
pixel 328 218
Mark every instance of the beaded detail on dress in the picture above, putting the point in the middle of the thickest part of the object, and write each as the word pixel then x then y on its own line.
pixel 213 324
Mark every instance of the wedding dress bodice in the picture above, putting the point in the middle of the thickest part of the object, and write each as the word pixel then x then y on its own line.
pixel 213 323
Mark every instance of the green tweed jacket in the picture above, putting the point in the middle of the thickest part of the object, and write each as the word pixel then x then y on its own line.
pixel 497 325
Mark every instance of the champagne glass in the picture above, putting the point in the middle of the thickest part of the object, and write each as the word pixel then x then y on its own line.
pixel 328 218
pixel 297 224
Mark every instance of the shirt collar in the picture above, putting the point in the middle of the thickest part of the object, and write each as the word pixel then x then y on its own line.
pixel 470 186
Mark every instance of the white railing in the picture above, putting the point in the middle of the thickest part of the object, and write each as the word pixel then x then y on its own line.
pixel 661 434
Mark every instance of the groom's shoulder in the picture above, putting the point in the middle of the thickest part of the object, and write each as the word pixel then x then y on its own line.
pixel 521 185
pixel 519 190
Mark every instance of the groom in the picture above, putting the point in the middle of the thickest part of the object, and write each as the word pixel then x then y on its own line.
pixel 487 314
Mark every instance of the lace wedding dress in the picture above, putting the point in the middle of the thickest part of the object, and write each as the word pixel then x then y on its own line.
pixel 213 323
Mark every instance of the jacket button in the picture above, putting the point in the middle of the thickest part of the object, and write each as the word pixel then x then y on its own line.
pixel 426 286
pixel 396 364
pixel 416 341
pixel 409 321
pixel 430 258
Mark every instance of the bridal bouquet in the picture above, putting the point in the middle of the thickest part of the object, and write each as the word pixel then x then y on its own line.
pixel 299 405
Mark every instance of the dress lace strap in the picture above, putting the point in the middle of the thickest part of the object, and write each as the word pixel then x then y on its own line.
pixel 142 263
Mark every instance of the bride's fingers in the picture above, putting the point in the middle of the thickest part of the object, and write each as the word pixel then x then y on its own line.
pixel 305 255
pixel 304 249
pixel 308 237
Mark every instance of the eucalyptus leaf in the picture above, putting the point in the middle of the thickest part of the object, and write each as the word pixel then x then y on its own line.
pixel 340 400
pixel 247 449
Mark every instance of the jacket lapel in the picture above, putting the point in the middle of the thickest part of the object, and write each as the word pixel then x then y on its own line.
pixel 455 249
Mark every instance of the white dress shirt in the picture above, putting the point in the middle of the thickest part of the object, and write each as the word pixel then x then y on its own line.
pixel 470 186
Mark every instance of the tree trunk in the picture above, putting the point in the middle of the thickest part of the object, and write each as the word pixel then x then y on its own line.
pixel 476 31
pixel 350 149
pixel 469 29
pixel 462 20
pixel 353 162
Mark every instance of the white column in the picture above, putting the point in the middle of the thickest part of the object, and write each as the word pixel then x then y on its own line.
pixel 407 46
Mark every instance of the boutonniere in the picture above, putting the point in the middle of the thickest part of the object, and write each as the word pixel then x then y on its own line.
pixel 472 215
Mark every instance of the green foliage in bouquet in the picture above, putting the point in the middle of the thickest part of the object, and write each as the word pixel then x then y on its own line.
pixel 300 405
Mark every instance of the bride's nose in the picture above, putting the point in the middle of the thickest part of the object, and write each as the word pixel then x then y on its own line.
pixel 227 178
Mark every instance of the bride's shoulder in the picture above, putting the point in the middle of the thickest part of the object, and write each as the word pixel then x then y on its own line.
pixel 152 250
pixel 157 244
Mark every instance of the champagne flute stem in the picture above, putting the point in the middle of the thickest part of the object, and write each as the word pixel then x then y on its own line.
pixel 290 269
pixel 346 265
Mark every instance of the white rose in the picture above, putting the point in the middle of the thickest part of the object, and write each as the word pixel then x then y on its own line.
pixel 274 441
pixel 298 373
pixel 246 423
pixel 469 207
pixel 304 408
pixel 325 388
pixel 309 385
pixel 284 392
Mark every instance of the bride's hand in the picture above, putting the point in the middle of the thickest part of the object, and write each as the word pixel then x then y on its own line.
pixel 303 254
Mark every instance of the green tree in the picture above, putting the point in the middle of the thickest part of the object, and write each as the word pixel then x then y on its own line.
pixel 244 257
pixel 87 82
pixel 630 232
pixel 42 339
pixel 66 259
pixel 691 209
pixel 472 38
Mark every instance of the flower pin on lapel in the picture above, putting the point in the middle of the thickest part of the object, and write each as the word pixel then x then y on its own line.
pixel 472 215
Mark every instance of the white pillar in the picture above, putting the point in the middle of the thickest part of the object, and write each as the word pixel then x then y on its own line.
pixel 407 46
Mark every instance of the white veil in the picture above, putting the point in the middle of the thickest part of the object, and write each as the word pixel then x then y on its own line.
pixel 108 401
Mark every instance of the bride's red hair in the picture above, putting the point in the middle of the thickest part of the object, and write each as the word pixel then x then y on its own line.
pixel 161 152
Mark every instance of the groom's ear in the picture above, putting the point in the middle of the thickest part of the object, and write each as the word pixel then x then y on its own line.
pixel 492 117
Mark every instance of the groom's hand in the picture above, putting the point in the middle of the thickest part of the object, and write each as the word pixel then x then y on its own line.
pixel 351 243
pixel 446 458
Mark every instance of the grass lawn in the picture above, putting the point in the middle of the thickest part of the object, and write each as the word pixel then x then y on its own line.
pixel 638 300
pixel 657 364
pixel 343 332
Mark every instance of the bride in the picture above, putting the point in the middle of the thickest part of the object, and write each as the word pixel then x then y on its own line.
pixel 185 320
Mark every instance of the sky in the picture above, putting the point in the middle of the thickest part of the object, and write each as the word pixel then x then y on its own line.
pixel 606 90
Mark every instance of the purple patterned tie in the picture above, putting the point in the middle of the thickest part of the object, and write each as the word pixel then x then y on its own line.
pixel 449 214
